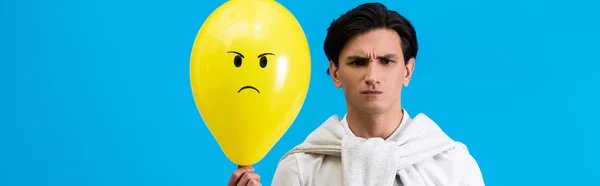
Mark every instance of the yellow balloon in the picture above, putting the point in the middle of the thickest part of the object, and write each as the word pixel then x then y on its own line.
pixel 250 72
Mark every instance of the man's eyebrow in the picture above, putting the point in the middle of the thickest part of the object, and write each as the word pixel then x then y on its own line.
pixel 356 57
pixel 387 56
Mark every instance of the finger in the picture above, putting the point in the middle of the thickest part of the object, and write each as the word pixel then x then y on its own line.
pixel 246 178
pixel 254 183
pixel 241 166
pixel 253 176
pixel 237 174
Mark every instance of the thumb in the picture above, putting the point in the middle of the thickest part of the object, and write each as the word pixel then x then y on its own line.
pixel 242 166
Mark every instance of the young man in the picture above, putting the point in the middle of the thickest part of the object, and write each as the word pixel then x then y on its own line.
pixel 372 53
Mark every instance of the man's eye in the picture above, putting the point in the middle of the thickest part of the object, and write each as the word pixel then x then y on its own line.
pixel 357 63
pixel 387 61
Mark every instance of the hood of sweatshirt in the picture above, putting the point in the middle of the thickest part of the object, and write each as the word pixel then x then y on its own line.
pixel 375 161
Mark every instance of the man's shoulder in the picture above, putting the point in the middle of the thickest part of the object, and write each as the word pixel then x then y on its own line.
pixel 457 154
pixel 455 165
pixel 324 140
pixel 297 168
pixel 288 172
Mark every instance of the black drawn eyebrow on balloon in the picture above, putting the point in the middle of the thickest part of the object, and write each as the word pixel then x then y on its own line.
pixel 264 54
pixel 239 54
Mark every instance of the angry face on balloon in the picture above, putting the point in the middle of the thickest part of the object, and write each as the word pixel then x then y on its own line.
pixel 250 71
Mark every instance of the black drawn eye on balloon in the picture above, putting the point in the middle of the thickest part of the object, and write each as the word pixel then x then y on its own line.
pixel 237 60
pixel 263 59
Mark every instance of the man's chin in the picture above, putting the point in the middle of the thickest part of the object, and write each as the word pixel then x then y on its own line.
pixel 373 108
pixel 370 106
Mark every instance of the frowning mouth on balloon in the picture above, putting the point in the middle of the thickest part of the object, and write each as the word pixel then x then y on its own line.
pixel 248 87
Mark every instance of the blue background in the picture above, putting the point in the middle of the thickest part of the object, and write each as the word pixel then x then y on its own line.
pixel 97 92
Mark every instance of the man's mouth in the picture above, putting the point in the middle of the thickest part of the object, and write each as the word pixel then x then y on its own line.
pixel 248 87
pixel 371 92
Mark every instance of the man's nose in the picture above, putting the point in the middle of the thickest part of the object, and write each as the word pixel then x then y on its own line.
pixel 371 74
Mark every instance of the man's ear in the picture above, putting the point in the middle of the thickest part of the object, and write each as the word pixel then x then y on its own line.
pixel 333 72
pixel 408 71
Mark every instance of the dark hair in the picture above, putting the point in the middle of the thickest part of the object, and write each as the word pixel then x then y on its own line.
pixel 364 18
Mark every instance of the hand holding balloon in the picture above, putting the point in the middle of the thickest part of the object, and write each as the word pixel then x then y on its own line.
pixel 250 71
pixel 244 176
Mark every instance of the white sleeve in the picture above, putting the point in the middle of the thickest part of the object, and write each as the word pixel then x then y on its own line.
pixel 287 172
pixel 471 174
pixel 454 167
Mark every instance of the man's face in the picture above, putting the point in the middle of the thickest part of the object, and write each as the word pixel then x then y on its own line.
pixel 372 71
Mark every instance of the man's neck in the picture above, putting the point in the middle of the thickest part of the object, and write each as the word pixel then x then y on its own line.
pixel 374 125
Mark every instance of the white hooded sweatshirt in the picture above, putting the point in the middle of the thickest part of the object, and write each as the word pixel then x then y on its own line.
pixel 417 153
